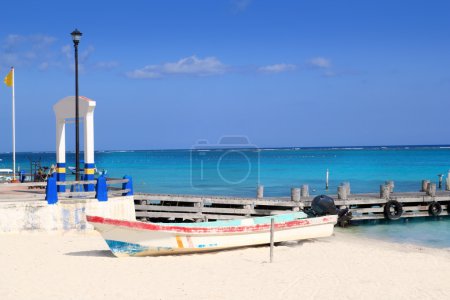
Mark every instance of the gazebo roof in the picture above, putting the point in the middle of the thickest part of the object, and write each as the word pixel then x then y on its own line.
pixel 65 108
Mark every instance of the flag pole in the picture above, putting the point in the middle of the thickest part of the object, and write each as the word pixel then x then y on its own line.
pixel 13 125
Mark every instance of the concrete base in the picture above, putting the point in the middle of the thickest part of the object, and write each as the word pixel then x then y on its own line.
pixel 66 215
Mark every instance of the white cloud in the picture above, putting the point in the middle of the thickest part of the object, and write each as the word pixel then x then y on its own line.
pixel 106 65
pixel 12 40
pixel 83 55
pixel 86 53
pixel 33 41
pixel 320 62
pixel 67 51
pixel 40 51
pixel 10 59
pixel 277 68
pixel 26 50
pixel 44 66
pixel 240 5
pixel 329 73
pixel 191 65
pixel 144 73
pixel 40 41
pixel 194 65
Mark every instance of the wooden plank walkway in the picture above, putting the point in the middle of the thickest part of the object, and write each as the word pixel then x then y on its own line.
pixel 203 208
pixel 368 206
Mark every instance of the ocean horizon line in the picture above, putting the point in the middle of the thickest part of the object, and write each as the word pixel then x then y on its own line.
pixel 349 147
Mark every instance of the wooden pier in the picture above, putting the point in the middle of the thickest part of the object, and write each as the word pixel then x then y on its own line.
pixel 370 206
pixel 204 208
pixel 386 204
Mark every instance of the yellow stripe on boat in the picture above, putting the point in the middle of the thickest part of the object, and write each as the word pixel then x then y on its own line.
pixel 179 242
pixel 60 170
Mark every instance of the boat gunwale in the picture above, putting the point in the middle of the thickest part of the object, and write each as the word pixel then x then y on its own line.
pixel 223 229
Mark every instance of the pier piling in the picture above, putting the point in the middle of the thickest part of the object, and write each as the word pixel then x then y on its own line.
pixel 295 194
pixel 390 185
pixel 425 184
pixel 346 186
pixel 431 189
pixel 260 192
pixel 384 191
pixel 342 192
pixel 304 191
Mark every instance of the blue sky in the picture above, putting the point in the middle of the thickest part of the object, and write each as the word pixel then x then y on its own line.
pixel 284 73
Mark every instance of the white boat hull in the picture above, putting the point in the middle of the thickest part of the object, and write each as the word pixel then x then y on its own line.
pixel 127 238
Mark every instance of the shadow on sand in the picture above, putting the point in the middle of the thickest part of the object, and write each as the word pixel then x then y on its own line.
pixel 293 244
pixel 91 253
pixel 107 253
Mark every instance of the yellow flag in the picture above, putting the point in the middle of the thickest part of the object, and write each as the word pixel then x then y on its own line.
pixel 9 78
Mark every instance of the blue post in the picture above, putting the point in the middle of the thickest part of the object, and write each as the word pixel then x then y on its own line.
pixel 128 185
pixel 76 188
pixel 51 194
pixel 22 176
pixel 88 187
pixel 101 190
pixel 89 174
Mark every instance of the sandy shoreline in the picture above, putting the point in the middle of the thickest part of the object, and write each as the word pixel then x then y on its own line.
pixel 79 266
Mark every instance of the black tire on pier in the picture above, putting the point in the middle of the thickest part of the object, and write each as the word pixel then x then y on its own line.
pixel 434 209
pixel 393 210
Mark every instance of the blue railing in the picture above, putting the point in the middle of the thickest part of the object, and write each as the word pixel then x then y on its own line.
pixel 103 188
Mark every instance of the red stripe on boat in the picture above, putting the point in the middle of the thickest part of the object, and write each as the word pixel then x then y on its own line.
pixel 156 227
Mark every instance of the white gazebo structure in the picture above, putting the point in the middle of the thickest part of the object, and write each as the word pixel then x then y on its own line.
pixel 65 112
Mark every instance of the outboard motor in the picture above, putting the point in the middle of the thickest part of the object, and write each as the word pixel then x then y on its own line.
pixel 324 205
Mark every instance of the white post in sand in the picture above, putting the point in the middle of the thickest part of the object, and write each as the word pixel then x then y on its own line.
pixel 272 233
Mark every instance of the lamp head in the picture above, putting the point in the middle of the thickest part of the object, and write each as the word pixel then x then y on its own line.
pixel 76 36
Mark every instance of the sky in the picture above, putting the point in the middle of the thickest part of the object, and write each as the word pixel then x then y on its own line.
pixel 165 74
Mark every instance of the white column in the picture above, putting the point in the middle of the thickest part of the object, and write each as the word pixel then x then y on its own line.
pixel 60 141
pixel 89 138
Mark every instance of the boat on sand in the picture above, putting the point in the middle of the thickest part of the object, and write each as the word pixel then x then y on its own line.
pixel 134 238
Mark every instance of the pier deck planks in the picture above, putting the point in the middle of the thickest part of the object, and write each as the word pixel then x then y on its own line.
pixel 367 206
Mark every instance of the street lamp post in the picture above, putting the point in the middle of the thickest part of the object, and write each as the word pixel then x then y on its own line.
pixel 76 36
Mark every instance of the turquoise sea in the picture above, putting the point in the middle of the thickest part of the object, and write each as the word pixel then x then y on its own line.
pixel 238 172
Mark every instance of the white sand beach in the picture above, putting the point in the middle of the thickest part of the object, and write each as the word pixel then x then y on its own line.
pixel 79 266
